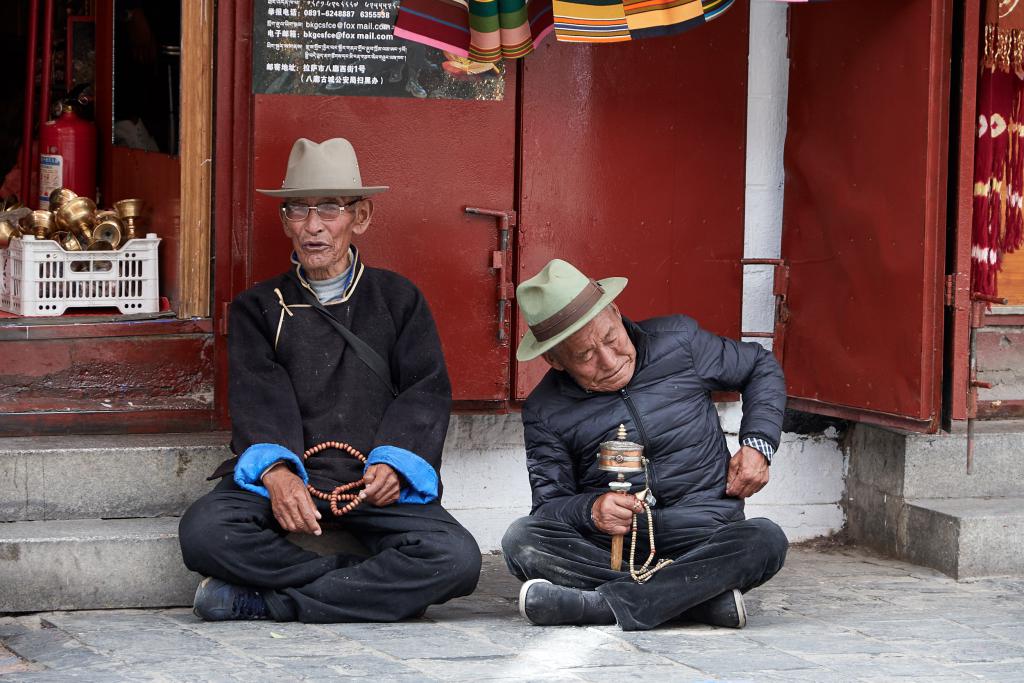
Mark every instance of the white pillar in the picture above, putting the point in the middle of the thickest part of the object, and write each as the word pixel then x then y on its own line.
pixel 767 95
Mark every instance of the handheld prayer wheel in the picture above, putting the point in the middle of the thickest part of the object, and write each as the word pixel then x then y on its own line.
pixel 621 457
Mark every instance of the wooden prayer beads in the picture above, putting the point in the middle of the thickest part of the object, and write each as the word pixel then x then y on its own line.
pixel 644 573
pixel 340 493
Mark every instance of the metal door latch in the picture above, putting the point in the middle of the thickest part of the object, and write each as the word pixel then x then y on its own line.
pixel 780 289
pixel 501 264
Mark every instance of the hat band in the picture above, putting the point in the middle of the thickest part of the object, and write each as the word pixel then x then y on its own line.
pixel 572 312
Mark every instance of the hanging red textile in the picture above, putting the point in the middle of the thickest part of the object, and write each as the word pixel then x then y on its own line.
pixel 998 221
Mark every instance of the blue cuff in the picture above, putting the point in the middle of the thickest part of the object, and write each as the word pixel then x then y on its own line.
pixel 255 461
pixel 419 475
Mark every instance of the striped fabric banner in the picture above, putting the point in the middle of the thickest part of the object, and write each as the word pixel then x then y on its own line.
pixel 490 30
pixel 607 21
pixel 481 30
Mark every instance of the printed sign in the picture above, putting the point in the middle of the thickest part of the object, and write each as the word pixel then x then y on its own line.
pixel 347 47
pixel 51 177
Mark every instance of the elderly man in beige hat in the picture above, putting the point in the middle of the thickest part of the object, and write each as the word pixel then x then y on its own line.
pixel 330 356
pixel 655 379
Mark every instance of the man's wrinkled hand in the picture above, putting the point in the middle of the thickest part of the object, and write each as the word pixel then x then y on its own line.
pixel 382 485
pixel 293 507
pixel 748 473
pixel 613 512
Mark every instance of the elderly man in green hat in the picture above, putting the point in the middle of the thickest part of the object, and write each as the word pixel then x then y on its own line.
pixel 330 355
pixel 655 378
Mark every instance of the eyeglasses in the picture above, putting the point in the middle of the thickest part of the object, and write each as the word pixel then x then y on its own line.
pixel 327 211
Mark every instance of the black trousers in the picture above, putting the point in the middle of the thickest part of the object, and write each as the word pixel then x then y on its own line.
pixel 419 556
pixel 706 562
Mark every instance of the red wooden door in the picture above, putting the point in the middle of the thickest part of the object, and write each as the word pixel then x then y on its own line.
pixel 438 156
pixel 633 160
pixel 865 208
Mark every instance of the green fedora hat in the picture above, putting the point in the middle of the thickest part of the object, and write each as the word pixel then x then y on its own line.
pixel 558 301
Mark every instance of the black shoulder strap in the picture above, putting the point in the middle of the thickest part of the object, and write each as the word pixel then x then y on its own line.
pixel 364 351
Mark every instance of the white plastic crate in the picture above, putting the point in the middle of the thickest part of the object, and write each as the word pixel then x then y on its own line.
pixel 40 278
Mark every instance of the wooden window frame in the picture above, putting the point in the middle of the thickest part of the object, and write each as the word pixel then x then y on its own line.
pixel 196 156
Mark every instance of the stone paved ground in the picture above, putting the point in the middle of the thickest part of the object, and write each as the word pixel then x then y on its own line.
pixel 831 615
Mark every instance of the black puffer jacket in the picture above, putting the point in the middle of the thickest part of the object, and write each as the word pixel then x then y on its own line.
pixel 667 407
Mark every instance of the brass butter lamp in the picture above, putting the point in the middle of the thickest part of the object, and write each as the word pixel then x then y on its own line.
pixel 109 229
pixel 130 210
pixel 66 240
pixel 60 197
pixel 7 233
pixel 10 223
pixel 78 216
pixel 42 223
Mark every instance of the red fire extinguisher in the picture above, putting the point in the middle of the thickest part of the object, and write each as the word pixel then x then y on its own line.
pixel 67 156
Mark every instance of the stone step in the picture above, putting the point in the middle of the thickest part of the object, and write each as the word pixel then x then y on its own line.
pixel 111 563
pixel 966 537
pixel 92 564
pixel 935 465
pixel 123 476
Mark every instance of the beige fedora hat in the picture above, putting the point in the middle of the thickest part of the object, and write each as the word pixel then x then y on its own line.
pixel 558 301
pixel 323 169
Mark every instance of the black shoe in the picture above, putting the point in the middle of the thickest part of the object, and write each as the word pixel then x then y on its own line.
pixel 724 610
pixel 218 600
pixel 546 604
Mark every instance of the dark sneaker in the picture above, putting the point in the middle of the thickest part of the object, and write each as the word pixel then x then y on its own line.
pixel 724 610
pixel 545 604
pixel 218 600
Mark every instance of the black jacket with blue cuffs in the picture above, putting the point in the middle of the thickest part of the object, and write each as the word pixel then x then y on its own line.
pixel 294 383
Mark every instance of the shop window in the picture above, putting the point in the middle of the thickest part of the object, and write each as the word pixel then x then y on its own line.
pixel 147 67
pixel 128 369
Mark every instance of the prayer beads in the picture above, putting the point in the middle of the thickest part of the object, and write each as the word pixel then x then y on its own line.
pixel 340 493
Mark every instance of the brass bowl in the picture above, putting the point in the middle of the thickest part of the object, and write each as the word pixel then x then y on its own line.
pixel 110 228
pixel 8 231
pixel 100 245
pixel 78 216
pixel 42 223
pixel 66 240
pixel 60 197
pixel 130 210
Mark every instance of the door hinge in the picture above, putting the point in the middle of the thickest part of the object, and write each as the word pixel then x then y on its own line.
pixel 222 323
pixel 957 290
